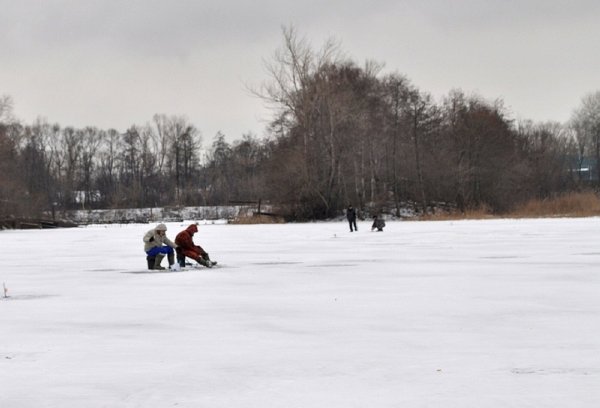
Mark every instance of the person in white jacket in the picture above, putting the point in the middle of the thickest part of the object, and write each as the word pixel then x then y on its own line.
pixel 157 245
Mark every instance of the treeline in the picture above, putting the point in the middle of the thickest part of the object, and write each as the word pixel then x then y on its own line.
pixel 339 134
pixel 48 167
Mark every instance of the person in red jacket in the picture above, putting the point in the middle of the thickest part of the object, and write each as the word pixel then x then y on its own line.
pixel 186 248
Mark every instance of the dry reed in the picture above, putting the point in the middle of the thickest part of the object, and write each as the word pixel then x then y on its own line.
pixel 584 204
pixel 258 219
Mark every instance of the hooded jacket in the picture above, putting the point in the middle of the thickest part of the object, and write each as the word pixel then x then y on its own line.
pixel 185 238
pixel 153 239
pixel 185 243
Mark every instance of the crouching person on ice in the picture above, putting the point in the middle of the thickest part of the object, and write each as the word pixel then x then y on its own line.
pixel 186 247
pixel 157 245
pixel 378 223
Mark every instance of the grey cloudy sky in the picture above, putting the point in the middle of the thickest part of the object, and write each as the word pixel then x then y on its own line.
pixel 112 64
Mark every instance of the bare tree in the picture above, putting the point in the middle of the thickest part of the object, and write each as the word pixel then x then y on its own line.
pixel 396 91
pixel 300 93
pixel 161 129
pixel 33 160
pixel 6 110
pixel 183 156
pixel 219 179
pixel 69 155
pixel 91 139
pixel 130 168
pixel 486 165
pixel 107 177
pixel 10 183
pixel 248 183
pixel 421 115
pixel 547 148
pixel 586 123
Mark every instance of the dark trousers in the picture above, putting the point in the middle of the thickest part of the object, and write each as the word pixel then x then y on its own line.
pixel 353 224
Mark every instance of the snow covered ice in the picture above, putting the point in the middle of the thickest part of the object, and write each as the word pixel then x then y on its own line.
pixel 494 313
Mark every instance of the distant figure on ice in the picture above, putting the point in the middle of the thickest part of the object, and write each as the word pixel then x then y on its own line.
pixel 351 216
pixel 154 245
pixel 186 247
pixel 378 223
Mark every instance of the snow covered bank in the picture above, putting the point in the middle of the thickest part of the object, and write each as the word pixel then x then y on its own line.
pixel 143 215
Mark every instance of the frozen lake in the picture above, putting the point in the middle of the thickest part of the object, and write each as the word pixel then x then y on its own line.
pixel 494 313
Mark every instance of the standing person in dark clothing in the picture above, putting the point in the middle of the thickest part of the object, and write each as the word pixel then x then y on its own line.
pixel 351 216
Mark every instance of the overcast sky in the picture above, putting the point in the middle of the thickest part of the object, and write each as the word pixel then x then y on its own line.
pixel 112 64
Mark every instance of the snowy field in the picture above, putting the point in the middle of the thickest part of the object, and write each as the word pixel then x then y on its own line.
pixel 502 313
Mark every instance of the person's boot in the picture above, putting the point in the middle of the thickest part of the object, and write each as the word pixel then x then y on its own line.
pixel 171 259
pixel 157 262
pixel 204 262
pixel 150 260
pixel 209 260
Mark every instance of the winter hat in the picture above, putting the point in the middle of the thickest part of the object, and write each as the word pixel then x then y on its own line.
pixel 193 228
pixel 161 227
